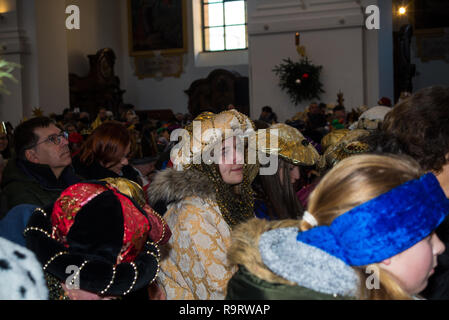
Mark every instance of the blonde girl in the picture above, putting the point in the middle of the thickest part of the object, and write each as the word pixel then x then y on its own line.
pixel 368 234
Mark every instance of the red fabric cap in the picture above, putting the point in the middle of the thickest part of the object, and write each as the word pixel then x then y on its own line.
pixel 135 222
pixel 75 137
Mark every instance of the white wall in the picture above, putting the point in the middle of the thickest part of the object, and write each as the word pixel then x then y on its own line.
pixel 333 34
pixel 338 51
pixel 51 40
pixel 10 105
pixel 36 39
pixel 100 27
pixel 27 23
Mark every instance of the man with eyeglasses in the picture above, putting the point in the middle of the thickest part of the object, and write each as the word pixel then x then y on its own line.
pixel 42 168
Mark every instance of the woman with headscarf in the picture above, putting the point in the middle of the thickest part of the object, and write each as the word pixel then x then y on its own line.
pixel 208 192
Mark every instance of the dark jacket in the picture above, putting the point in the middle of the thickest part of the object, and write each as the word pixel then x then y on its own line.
pixel 246 286
pixel 28 183
pixel 306 280
pixel 96 171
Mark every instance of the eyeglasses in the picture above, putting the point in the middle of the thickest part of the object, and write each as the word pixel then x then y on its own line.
pixel 54 138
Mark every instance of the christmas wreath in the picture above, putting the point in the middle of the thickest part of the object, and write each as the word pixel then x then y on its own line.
pixel 300 79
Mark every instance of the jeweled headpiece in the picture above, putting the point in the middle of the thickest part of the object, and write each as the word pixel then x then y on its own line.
pixel 291 144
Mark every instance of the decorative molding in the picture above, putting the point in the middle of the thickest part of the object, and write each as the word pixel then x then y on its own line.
pixel 14 42
pixel 285 16
pixel 12 39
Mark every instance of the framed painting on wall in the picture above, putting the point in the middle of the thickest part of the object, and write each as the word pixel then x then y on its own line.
pixel 157 25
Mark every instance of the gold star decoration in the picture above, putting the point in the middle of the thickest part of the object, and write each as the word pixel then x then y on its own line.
pixel 38 112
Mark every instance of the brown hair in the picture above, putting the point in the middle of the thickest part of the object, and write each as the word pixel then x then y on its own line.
pixel 106 144
pixel 356 180
pixel 282 202
pixel 24 136
pixel 420 125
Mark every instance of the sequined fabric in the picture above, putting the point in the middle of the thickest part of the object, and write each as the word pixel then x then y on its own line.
pixel 55 290
pixel 68 205
pixel 333 137
pixel 136 229
pixel 344 148
pixel 291 144
pixel 128 187
pixel 197 266
pixel 159 231
pixel 136 226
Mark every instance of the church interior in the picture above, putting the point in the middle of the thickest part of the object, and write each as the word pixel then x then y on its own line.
pixel 133 148
pixel 60 63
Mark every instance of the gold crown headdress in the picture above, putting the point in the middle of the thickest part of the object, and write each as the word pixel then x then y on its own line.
pixel 226 124
pixel 291 145
pixel 347 146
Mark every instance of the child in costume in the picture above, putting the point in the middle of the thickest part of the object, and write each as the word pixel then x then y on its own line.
pixel 277 190
pixel 368 234
pixel 205 200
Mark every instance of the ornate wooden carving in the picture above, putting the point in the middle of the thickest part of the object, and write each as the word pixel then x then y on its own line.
pixel 220 89
pixel 100 88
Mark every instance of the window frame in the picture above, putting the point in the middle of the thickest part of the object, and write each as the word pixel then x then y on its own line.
pixel 203 27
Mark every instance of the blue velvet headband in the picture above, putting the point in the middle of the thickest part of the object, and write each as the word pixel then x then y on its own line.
pixel 384 226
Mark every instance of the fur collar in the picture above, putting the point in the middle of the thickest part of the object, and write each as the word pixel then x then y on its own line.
pixel 245 247
pixel 307 266
pixel 170 185
pixel 269 250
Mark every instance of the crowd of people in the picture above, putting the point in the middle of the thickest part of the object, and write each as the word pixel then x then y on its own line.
pixel 343 205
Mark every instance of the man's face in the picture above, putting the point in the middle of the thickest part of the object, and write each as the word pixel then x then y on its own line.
pixel 55 156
